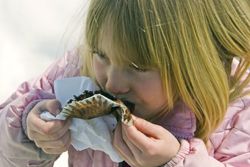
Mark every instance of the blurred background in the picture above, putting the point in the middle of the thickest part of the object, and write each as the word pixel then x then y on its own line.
pixel 33 33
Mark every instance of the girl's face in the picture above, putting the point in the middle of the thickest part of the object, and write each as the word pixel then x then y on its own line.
pixel 143 87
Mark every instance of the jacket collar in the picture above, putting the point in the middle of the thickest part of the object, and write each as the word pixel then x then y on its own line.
pixel 180 121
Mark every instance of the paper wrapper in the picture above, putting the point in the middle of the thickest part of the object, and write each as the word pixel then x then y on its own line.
pixel 93 133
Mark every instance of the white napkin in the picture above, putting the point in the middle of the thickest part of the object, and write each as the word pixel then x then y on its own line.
pixel 93 133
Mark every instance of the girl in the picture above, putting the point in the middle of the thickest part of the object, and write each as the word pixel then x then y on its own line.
pixel 183 63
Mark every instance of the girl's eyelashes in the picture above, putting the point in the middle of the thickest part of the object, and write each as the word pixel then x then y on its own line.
pixel 100 55
pixel 137 68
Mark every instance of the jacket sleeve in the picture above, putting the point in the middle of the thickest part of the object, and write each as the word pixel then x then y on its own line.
pixel 229 145
pixel 15 147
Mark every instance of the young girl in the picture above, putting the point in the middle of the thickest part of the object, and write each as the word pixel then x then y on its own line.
pixel 184 63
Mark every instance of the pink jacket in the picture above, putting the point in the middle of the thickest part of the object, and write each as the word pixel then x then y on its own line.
pixel 229 145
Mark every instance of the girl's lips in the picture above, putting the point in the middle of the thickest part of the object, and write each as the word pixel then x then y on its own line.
pixel 129 104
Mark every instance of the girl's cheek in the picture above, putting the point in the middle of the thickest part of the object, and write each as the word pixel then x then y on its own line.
pixel 100 72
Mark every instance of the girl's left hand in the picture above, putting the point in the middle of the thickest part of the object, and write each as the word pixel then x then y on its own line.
pixel 145 144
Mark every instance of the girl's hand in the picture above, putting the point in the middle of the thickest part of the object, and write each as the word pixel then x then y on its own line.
pixel 53 137
pixel 145 144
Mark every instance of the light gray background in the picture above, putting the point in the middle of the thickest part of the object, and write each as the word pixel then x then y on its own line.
pixel 33 33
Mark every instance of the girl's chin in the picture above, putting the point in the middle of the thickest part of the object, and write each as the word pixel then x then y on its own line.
pixel 146 115
pixel 140 114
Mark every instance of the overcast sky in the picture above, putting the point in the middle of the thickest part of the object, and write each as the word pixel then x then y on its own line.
pixel 33 33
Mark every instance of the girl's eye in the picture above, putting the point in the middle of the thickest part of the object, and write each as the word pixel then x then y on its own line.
pixel 101 56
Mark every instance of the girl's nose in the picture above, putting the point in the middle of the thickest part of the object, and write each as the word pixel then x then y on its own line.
pixel 117 81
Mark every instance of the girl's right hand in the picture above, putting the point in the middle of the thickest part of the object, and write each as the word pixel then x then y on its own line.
pixel 53 137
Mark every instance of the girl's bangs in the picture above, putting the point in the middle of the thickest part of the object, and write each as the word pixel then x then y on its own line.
pixel 128 41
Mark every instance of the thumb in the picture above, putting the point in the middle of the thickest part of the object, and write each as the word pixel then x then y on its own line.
pixel 52 106
pixel 148 128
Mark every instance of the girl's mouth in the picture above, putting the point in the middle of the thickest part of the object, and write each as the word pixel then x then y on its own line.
pixel 129 104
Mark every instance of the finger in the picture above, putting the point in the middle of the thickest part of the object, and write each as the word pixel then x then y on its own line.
pixel 63 142
pixel 48 128
pixel 120 145
pixel 128 159
pixel 136 152
pixel 45 105
pixel 133 148
pixel 142 139
pixel 53 151
pixel 148 128
pixel 43 136
pixel 34 119
pixel 53 106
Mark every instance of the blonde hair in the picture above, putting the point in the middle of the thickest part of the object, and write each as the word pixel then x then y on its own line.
pixel 192 42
